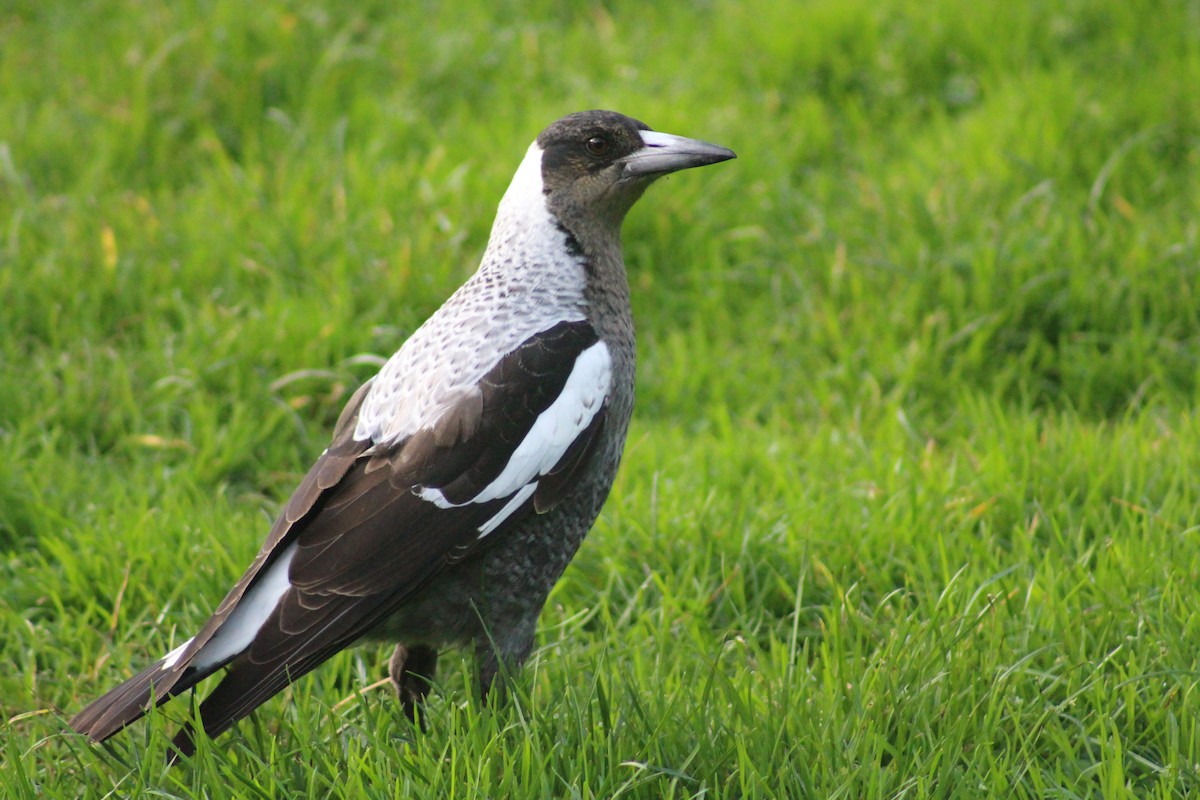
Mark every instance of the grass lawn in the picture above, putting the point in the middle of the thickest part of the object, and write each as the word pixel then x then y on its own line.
pixel 911 503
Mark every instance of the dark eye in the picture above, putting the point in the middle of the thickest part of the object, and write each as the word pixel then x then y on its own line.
pixel 597 145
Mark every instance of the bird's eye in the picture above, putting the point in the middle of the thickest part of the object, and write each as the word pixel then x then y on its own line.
pixel 597 145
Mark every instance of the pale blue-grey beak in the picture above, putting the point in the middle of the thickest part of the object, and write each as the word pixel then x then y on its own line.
pixel 666 152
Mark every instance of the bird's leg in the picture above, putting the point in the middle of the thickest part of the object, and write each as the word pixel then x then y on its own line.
pixel 411 670
pixel 503 664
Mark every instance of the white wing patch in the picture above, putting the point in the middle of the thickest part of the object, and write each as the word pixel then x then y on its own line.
pixel 239 629
pixel 552 433
pixel 512 505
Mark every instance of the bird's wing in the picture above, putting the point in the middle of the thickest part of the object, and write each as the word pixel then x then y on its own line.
pixel 371 522
pixel 177 671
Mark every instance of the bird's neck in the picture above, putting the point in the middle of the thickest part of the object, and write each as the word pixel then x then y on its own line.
pixel 532 247
pixel 527 245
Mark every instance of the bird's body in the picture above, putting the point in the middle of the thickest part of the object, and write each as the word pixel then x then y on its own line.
pixel 463 477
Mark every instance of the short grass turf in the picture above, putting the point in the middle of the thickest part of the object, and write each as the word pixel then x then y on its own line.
pixel 910 504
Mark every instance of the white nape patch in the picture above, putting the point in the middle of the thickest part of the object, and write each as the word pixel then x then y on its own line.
pixel 240 627
pixel 525 193
pixel 548 439
pixel 171 658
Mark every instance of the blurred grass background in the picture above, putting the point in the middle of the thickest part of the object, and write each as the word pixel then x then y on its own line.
pixel 910 502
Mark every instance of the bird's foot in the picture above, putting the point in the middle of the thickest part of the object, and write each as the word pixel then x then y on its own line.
pixel 411 670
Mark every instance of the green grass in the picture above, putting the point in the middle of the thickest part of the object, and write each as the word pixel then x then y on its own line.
pixel 911 504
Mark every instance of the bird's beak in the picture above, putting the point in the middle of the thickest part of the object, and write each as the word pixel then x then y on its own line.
pixel 665 152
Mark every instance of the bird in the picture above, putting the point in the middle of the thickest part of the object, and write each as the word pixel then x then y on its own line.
pixel 462 478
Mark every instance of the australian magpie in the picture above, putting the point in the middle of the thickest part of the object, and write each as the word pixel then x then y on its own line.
pixel 463 477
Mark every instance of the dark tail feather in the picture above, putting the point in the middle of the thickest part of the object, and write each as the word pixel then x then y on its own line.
pixel 151 687
pixel 248 683
pixel 245 687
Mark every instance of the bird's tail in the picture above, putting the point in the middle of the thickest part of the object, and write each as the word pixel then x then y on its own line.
pixel 275 658
pixel 245 686
pixel 128 702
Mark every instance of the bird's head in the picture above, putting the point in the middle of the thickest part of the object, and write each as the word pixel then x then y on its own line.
pixel 592 166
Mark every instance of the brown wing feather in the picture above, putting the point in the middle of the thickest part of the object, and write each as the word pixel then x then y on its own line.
pixel 371 540
pixel 130 700
pixel 327 610
pixel 325 474
pixel 365 540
